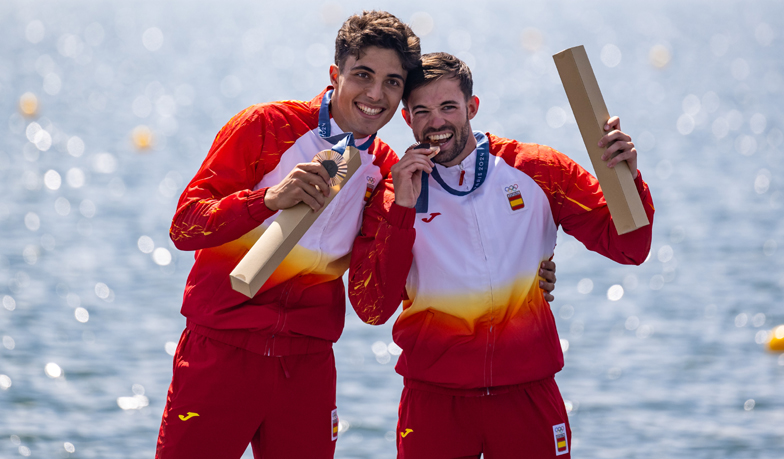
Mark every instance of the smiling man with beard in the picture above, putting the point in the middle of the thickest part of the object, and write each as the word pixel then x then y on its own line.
pixel 459 240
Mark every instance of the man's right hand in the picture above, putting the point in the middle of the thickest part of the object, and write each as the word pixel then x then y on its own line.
pixel 306 183
pixel 407 175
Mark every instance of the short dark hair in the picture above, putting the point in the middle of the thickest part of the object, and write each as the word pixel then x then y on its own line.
pixel 439 65
pixel 377 28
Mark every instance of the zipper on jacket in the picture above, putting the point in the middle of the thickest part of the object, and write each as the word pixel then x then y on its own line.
pixel 270 345
pixel 282 303
pixel 489 348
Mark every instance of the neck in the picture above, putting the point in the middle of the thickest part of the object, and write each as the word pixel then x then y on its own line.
pixel 469 147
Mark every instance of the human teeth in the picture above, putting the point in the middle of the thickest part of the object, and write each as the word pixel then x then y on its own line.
pixel 440 137
pixel 369 110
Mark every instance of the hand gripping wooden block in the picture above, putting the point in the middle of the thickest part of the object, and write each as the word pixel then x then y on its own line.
pixel 285 231
pixel 591 114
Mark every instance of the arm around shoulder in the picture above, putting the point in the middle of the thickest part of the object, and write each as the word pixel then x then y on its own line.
pixel 381 257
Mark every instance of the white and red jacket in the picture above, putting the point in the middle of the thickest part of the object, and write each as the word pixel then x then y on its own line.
pixel 221 213
pixel 473 313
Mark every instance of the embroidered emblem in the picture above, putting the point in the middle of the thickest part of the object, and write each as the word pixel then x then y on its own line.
pixel 514 197
pixel 371 185
pixel 335 424
pixel 190 415
pixel 432 216
pixel 403 434
pixel 561 444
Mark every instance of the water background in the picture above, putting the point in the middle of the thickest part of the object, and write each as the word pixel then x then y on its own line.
pixel 671 366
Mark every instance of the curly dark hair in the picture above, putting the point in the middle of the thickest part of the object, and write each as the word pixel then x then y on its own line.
pixel 377 28
pixel 439 65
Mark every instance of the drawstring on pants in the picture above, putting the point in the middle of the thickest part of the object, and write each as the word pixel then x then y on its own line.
pixel 283 366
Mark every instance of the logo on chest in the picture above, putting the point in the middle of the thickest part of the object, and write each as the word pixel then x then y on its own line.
pixel 432 216
pixel 371 185
pixel 514 197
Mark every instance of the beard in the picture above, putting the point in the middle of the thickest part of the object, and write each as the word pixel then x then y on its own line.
pixel 460 138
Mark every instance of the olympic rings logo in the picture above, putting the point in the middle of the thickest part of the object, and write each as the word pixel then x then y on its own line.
pixel 371 181
pixel 511 188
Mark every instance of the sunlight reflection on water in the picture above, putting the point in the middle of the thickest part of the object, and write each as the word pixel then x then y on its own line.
pixel 112 109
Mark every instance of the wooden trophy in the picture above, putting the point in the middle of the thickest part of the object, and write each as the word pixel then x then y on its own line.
pixel 285 231
pixel 591 114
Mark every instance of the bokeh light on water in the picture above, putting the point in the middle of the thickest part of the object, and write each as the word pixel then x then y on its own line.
pixel 53 370
pixel 110 110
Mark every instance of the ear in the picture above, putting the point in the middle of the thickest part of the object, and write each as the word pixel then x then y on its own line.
pixel 473 107
pixel 334 71
pixel 406 116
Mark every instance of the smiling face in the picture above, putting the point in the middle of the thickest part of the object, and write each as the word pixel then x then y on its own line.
pixel 367 90
pixel 439 111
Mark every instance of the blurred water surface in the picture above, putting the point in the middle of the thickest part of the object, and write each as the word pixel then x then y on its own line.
pixel 665 360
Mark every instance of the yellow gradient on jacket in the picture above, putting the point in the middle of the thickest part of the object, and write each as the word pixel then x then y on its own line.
pixel 300 261
pixel 521 296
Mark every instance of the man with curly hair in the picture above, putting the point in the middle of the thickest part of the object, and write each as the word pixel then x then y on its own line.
pixel 261 370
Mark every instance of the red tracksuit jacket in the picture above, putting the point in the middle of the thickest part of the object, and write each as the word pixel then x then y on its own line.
pixel 473 313
pixel 221 214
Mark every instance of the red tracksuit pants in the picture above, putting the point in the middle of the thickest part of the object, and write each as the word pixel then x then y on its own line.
pixel 223 398
pixel 526 421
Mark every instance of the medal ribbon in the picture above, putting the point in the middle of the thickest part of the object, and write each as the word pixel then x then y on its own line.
pixel 480 174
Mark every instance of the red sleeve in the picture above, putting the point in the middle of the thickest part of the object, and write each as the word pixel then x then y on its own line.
pixel 583 213
pixel 577 201
pixel 594 227
pixel 381 257
pixel 218 205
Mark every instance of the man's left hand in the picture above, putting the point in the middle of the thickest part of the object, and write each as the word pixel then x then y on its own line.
pixel 619 146
pixel 547 279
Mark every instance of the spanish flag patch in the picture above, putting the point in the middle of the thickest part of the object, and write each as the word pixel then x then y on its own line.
pixel 371 185
pixel 561 443
pixel 514 197
pixel 335 424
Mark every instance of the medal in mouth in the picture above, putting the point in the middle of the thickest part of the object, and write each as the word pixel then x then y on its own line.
pixel 433 145
pixel 441 139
